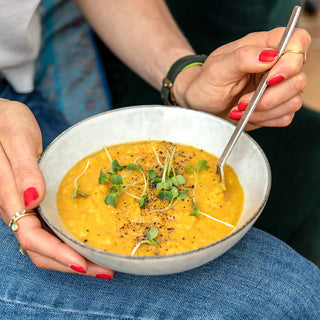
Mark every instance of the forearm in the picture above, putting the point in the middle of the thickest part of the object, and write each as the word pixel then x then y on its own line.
pixel 142 33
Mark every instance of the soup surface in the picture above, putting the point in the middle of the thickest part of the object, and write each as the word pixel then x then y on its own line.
pixel 149 198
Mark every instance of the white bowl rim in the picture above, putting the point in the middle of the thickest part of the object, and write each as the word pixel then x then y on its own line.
pixel 168 256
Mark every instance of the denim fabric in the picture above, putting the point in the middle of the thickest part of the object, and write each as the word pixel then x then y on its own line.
pixel 259 278
pixel 50 120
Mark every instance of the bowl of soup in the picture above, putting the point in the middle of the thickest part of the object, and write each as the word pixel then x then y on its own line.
pixel 136 190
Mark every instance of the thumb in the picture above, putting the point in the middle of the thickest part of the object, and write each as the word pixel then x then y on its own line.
pixel 225 76
pixel 241 62
pixel 21 142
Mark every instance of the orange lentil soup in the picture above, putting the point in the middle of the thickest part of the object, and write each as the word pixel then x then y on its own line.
pixel 116 215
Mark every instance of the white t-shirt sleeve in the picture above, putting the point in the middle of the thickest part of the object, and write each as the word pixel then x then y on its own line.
pixel 20 40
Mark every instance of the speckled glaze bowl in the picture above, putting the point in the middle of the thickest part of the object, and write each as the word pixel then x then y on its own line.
pixel 155 122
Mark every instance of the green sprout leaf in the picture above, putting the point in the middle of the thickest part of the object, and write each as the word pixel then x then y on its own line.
pixel 116 179
pixel 115 167
pixel 151 174
pixel 167 195
pixel 150 235
pixel 178 180
pixel 103 177
pixel 202 165
pixel 190 168
pixel 143 201
pixel 166 185
pixel 111 199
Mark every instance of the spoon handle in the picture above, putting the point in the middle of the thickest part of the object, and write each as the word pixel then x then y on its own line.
pixel 260 89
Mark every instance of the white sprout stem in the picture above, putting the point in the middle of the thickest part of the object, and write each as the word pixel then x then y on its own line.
pixel 136 159
pixel 171 204
pixel 165 167
pixel 85 169
pixel 135 248
pixel 170 167
pixel 131 195
pixel 227 224
pixel 108 154
pixel 145 183
pixel 158 160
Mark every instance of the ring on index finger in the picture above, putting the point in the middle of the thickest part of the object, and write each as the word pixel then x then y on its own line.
pixel 297 52
pixel 13 225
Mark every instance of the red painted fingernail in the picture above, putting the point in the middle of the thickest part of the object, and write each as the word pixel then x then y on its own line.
pixel 268 55
pixel 235 114
pixel 275 80
pixel 103 276
pixel 242 105
pixel 78 269
pixel 30 195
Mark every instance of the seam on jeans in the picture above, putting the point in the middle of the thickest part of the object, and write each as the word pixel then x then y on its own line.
pixel 65 311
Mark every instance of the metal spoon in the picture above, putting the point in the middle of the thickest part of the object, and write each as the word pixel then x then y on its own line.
pixel 257 95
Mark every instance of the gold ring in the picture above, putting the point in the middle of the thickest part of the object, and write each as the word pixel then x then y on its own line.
pixel 297 52
pixel 19 214
pixel 22 250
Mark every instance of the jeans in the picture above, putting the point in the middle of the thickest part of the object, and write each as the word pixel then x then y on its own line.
pixel 259 278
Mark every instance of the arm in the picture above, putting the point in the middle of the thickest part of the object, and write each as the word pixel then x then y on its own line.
pixel 20 172
pixel 142 33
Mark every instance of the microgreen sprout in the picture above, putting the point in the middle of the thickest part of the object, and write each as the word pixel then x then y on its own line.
pixel 151 175
pixel 116 188
pixel 169 183
pixel 76 186
pixel 196 211
pixel 201 165
pixel 174 196
pixel 149 237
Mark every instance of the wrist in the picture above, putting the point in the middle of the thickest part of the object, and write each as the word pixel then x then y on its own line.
pixel 182 65
pixel 181 84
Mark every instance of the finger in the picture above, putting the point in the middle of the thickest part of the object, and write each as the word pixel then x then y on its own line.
pixel 290 63
pixel 93 269
pixel 34 238
pixel 300 40
pixel 213 90
pixel 276 95
pixel 283 121
pixel 22 146
pixel 259 118
pixel 10 200
pixel 50 252
pixel 239 62
pixel 30 234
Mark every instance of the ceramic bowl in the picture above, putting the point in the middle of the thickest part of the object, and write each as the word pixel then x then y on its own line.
pixel 155 122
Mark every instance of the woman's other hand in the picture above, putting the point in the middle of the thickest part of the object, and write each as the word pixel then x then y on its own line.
pixel 227 80
pixel 23 188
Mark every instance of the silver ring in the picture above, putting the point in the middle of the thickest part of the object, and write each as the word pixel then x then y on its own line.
pixel 13 225
pixel 22 250
pixel 297 52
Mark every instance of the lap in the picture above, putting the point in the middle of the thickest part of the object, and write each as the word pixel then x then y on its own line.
pixel 259 278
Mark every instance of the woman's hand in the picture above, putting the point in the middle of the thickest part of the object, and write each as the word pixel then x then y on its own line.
pixel 227 80
pixel 23 187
